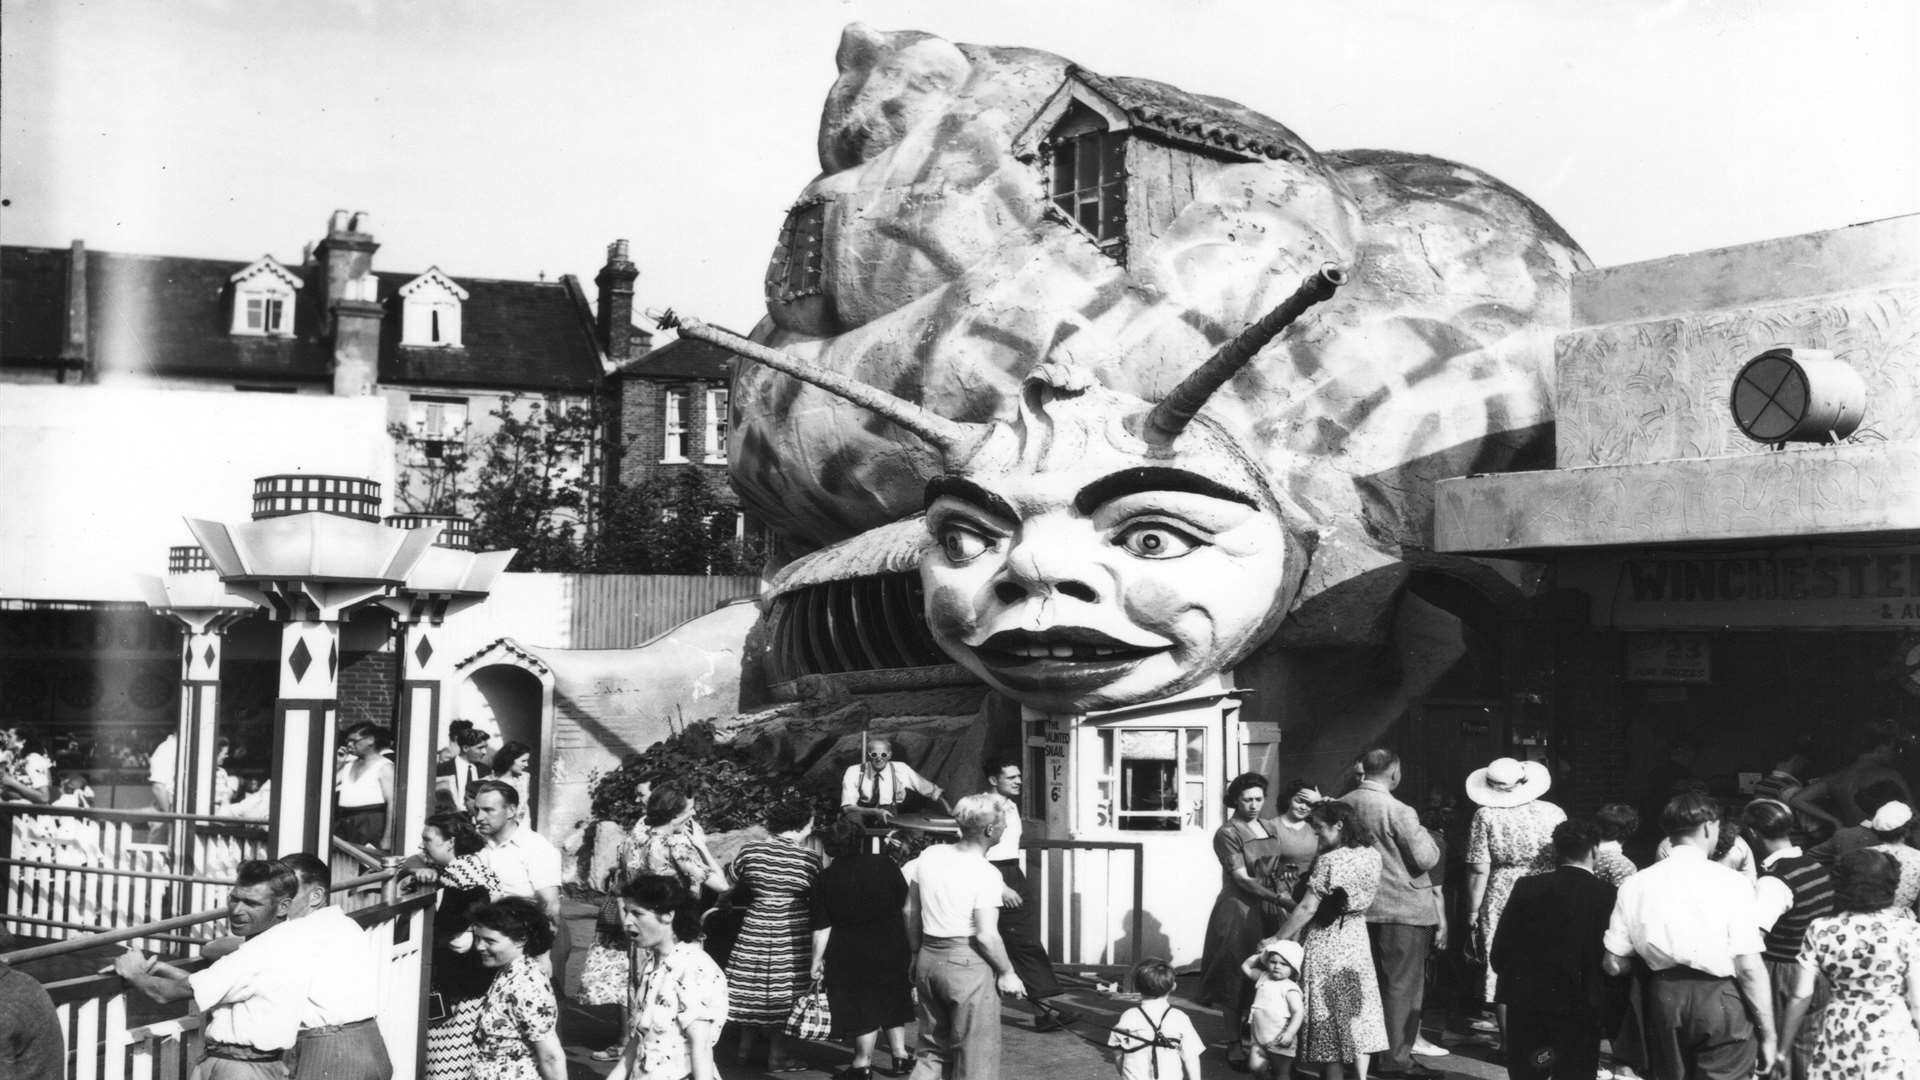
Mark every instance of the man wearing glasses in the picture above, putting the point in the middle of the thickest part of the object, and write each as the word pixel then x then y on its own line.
pixel 881 787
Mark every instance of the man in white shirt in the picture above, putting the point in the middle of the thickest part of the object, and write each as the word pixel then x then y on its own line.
pixel 953 914
pixel 251 998
pixel 1019 917
pixel 339 1039
pixel 524 861
pixel 875 789
pixel 1695 924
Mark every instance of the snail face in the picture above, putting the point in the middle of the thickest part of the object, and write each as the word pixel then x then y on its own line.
pixel 1080 589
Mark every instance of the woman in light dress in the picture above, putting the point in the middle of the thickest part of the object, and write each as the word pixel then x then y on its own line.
pixel 1511 837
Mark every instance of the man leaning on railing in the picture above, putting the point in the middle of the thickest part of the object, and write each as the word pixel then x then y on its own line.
pixel 252 998
pixel 339 1039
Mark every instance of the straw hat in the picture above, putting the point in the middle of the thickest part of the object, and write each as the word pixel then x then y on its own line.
pixel 1506 782
pixel 1290 951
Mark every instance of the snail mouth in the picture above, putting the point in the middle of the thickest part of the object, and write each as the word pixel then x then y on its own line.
pixel 1061 644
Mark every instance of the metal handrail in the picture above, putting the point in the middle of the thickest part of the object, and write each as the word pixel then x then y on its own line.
pixel 357 853
pixel 178 922
pixel 144 875
pixel 101 813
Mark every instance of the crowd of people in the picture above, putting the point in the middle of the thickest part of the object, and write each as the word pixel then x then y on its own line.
pixel 1728 950
pixel 1701 943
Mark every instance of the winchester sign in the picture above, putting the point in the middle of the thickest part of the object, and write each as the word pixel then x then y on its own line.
pixel 1842 588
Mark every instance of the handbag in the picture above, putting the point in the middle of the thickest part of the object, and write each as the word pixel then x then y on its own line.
pixel 810 1018
pixel 609 923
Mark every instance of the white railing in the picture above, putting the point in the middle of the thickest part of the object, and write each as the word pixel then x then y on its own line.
pixel 1089 894
pixel 68 871
pixel 93 1010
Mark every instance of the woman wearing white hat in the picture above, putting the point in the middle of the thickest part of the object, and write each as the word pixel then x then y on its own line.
pixel 1511 837
pixel 1890 825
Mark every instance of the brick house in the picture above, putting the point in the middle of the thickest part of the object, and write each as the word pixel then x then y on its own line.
pixel 442 351
pixel 669 411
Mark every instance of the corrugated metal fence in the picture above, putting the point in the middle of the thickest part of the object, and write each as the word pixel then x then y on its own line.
pixel 619 611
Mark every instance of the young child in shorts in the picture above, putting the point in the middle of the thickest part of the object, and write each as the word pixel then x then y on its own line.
pixel 1279 1008
pixel 1153 1040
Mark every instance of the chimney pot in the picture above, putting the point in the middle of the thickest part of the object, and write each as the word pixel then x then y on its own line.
pixel 362 222
pixel 617 251
pixel 337 224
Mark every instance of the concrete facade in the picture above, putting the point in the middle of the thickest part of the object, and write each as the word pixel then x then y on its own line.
pixel 1703 587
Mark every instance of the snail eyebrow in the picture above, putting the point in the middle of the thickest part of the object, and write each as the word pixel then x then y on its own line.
pixel 1154 478
pixel 965 490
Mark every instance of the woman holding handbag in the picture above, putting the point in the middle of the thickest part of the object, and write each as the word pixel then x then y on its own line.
pixel 860 950
pixel 666 841
pixel 1244 844
pixel 680 995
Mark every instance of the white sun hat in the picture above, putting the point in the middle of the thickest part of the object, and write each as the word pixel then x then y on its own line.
pixel 1507 782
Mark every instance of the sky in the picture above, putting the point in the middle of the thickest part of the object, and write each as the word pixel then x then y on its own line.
pixel 515 138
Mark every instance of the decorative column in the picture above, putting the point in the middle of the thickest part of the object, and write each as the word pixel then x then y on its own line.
pixel 313 552
pixel 449 578
pixel 193 596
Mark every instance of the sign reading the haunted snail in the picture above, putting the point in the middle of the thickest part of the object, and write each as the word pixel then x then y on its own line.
pixel 1874 588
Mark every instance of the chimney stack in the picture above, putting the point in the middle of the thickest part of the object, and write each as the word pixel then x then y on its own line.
pixel 74 350
pixel 615 317
pixel 350 301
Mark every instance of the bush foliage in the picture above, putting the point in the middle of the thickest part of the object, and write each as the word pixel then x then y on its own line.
pixel 733 791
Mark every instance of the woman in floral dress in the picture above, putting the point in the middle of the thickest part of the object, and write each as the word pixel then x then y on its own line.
pixel 772 959
pixel 517 1035
pixel 681 999
pixel 452 849
pixel 1244 844
pixel 1890 824
pixel 1870 954
pixel 666 840
pixel 1511 837
pixel 1344 1021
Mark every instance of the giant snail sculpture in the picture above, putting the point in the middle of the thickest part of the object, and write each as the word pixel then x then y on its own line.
pixel 1097 549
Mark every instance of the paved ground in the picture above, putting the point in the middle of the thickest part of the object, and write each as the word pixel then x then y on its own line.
pixel 1028 1054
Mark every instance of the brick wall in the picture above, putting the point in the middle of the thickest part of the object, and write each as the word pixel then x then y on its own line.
pixel 367 687
pixel 640 433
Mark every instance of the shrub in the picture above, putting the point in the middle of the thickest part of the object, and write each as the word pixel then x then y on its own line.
pixel 733 790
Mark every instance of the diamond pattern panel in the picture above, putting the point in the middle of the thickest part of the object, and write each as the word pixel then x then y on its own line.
pixel 300 659
pixel 423 652
pixel 333 660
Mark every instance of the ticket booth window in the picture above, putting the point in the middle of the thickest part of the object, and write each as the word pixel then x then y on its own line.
pixel 1152 779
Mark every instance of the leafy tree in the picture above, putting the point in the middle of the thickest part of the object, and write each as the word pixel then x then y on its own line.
pixel 531 484
pixel 432 472
pixel 534 486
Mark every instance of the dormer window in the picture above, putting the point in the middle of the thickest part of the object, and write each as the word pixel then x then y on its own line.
pixel 1089 175
pixel 430 311
pixel 1080 140
pixel 263 298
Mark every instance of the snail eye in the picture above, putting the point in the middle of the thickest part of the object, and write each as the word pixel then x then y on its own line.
pixel 1156 541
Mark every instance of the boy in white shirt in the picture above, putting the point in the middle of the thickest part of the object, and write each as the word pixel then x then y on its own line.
pixel 1153 1040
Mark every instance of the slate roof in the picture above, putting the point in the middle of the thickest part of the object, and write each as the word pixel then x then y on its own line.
pixel 1211 123
pixel 168 315
pixel 680 359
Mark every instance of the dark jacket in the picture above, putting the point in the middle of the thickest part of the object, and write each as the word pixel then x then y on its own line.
pixel 1547 949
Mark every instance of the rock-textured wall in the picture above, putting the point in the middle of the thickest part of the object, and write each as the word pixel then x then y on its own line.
pixel 945 276
pixel 1657 390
